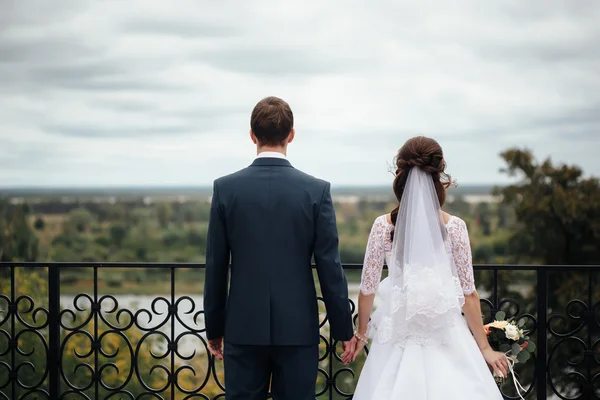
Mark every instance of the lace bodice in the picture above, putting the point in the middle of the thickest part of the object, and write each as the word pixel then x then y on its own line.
pixel 379 248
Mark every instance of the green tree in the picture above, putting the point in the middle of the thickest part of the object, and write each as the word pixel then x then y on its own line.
pixel 197 238
pixel 117 233
pixel 483 216
pixel 173 239
pixel 17 240
pixel 483 253
pixel 352 225
pixel 141 240
pixel 80 220
pixel 502 216
pixel 137 215
pixel 164 213
pixel 557 210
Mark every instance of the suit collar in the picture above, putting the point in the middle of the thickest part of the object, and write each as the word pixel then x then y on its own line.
pixel 271 162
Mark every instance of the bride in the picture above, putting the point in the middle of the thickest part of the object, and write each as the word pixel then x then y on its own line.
pixel 423 348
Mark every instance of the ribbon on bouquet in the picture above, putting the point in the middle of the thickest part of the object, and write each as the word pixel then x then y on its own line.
pixel 511 370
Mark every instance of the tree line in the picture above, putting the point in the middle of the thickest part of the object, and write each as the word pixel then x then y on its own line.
pixel 550 215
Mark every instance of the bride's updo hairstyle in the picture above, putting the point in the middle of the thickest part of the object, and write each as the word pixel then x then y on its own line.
pixel 425 153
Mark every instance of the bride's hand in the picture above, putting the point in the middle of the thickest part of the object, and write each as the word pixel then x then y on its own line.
pixel 359 348
pixel 497 361
pixel 360 345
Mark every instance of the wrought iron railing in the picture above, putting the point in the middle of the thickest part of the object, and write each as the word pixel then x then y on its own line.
pixel 60 340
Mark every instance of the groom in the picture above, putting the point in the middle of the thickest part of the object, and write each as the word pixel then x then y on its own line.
pixel 269 220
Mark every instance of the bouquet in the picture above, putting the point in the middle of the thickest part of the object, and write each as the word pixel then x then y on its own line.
pixel 509 337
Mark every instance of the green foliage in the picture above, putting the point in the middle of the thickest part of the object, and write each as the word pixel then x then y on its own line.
pixel 523 356
pixel 197 238
pixel 521 229
pixel 111 212
pixel 17 240
pixel 483 218
pixel 515 349
pixel 137 231
pixel 351 254
pixel 174 238
pixel 557 209
pixel 483 253
pixel 80 220
pixel 500 248
pixel 503 215
pixel 117 233
pixel 164 213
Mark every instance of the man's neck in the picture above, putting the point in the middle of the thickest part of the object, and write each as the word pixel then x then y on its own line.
pixel 264 149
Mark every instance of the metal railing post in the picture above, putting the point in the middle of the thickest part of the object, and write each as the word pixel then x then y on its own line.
pixel 54 331
pixel 542 335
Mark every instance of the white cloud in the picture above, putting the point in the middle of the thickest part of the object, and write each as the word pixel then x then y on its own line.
pixel 143 92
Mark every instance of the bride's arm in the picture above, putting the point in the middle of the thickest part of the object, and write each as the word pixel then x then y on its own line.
pixel 371 276
pixel 365 306
pixel 371 273
pixel 461 250
pixel 472 311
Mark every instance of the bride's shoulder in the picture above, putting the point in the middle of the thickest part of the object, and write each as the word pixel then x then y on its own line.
pixel 382 223
pixel 383 220
pixel 380 231
pixel 453 222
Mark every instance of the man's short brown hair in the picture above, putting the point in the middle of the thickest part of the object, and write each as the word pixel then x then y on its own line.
pixel 272 121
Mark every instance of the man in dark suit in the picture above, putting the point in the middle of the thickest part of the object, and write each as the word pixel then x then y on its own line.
pixel 269 220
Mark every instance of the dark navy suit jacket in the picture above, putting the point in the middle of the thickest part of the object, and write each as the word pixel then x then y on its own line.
pixel 268 220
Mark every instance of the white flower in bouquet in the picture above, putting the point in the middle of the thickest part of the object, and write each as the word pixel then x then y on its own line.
pixel 498 324
pixel 512 332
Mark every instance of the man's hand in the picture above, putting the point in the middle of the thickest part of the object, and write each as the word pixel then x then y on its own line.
pixel 215 346
pixel 349 348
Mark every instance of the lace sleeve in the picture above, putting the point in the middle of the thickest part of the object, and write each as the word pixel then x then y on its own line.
pixel 374 258
pixel 461 251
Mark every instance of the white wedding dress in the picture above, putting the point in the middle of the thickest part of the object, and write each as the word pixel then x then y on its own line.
pixel 453 370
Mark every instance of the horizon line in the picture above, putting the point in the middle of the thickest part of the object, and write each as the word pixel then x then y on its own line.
pixel 198 186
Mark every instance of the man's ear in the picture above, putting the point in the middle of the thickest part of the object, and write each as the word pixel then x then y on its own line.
pixel 291 136
pixel 253 137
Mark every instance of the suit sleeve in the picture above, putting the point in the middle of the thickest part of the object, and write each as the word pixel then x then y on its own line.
pixel 217 270
pixel 329 268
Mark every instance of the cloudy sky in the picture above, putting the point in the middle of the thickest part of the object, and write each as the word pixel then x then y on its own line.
pixel 156 92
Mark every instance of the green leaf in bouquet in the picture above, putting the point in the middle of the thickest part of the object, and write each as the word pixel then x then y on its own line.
pixel 521 323
pixel 500 315
pixel 504 347
pixel 523 356
pixel 516 349
pixel 530 347
pixel 526 337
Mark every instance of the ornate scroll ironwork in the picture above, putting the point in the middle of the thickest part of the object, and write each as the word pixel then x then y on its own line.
pixel 97 347
pixel 574 345
pixel 24 351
